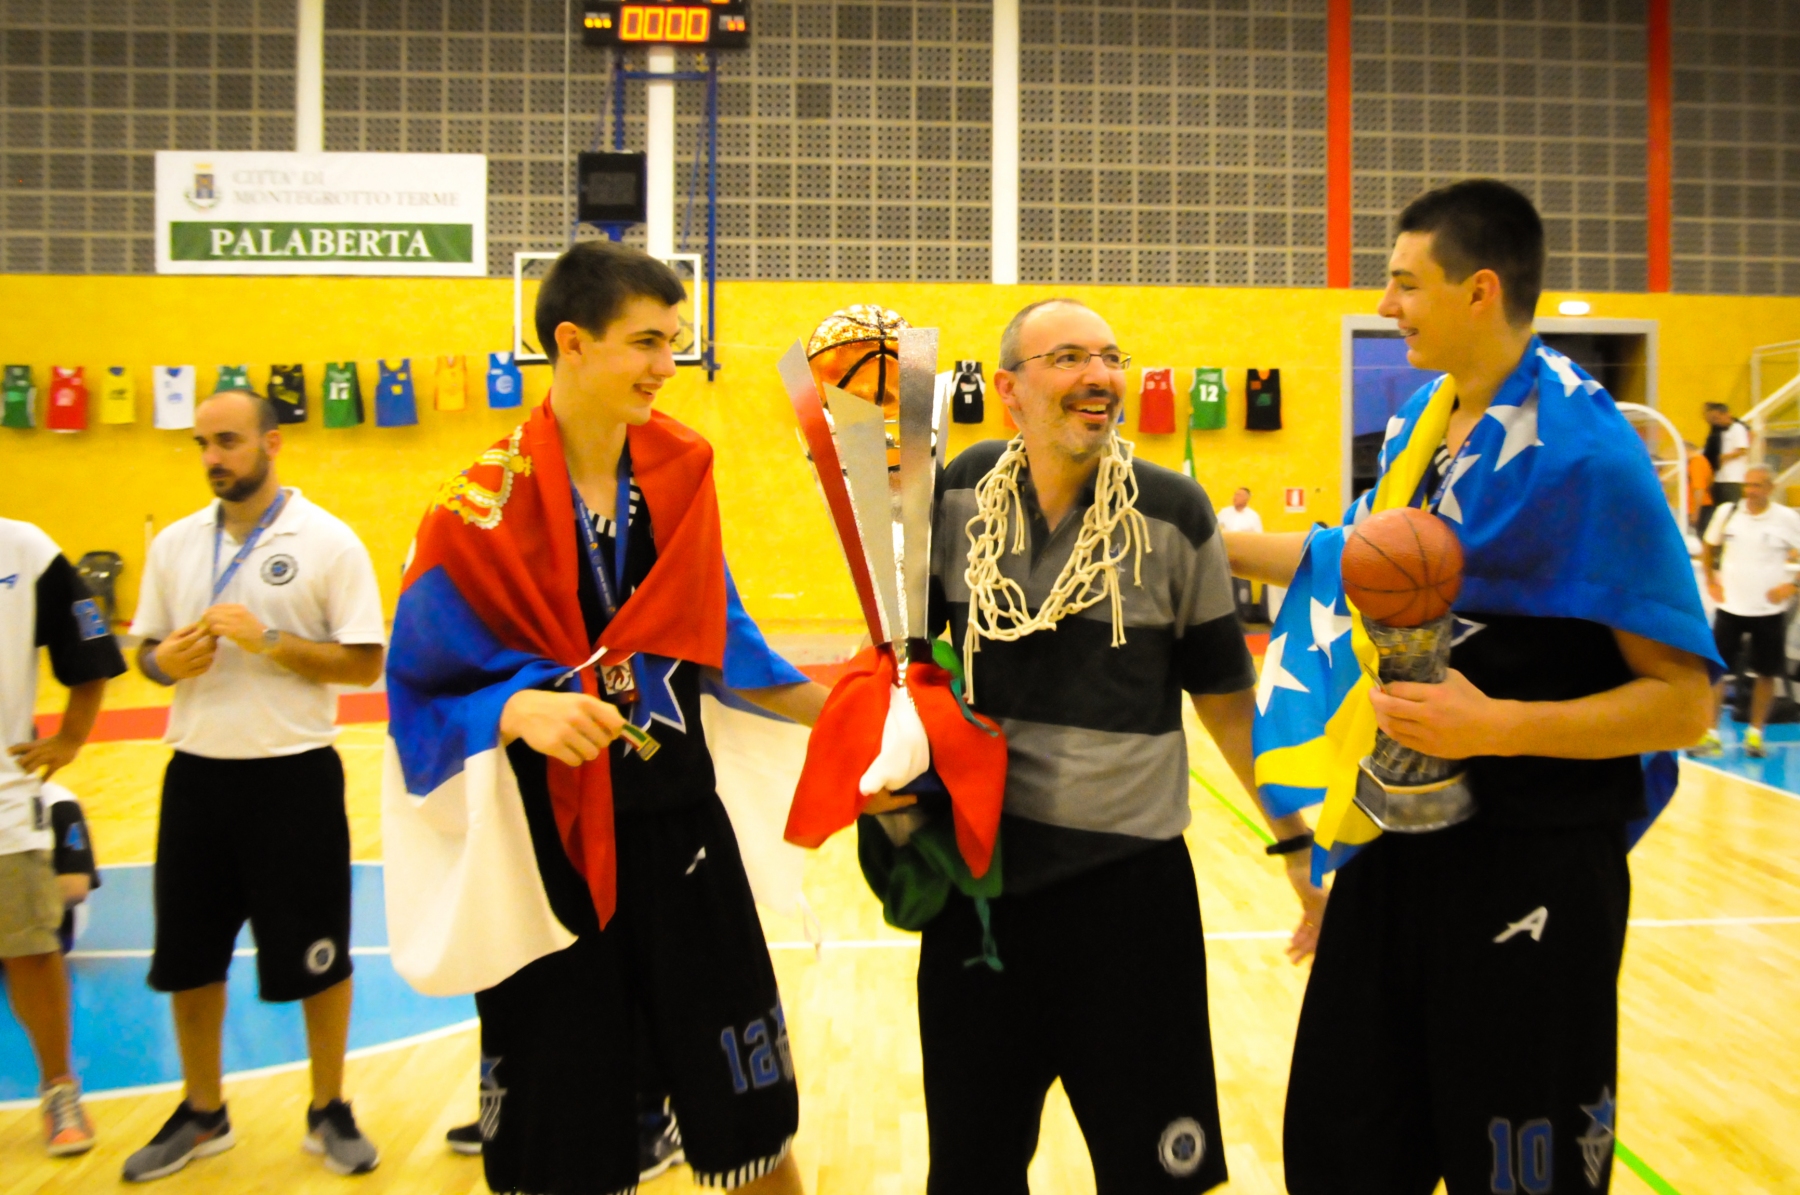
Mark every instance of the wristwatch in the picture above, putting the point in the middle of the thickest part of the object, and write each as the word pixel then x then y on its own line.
pixel 271 638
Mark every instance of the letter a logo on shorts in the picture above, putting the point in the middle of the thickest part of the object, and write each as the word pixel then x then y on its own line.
pixel 1532 923
pixel 1183 1147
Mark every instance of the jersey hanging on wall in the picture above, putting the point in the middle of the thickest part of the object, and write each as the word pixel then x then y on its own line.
pixel 395 403
pixel 1206 400
pixel 452 384
pixel 287 390
pixel 1156 402
pixel 1262 400
pixel 343 395
pixel 232 377
pixel 967 393
pixel 172 391
pixel 506 385
pixel 21 398
pixel 68 406
pixel 118 396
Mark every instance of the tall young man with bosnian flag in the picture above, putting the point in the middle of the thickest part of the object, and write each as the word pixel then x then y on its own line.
pixel 554 838
pixel 1461 1021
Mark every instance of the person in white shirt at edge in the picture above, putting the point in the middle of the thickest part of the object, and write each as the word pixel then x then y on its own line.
pixel 250 608
pixel 1749 547
pixel 1729 442
pixel 1239 516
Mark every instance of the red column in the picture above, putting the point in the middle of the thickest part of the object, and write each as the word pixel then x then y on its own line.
pixel 1660 135
pixel 1337 143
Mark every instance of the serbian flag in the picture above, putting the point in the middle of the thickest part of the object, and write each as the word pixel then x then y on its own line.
pixel 488 607
pixel 870 729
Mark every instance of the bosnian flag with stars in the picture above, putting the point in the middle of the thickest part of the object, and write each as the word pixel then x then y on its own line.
pixel 1560 514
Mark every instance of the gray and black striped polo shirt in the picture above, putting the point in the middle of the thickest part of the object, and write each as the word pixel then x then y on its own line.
pixel 1096 756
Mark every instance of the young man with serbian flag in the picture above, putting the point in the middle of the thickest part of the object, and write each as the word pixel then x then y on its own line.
pixel 553 836
pixel 1461 1021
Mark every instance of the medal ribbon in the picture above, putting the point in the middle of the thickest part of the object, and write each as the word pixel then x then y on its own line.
pixel 243 553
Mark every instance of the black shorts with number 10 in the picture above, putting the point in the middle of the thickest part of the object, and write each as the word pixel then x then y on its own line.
pixel 682 962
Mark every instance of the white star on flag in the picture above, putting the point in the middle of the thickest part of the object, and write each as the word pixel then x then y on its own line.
pixel 1564 369
pixel 1327 626
pixel 1521 424
pixel 1274 676
pixel 1448 506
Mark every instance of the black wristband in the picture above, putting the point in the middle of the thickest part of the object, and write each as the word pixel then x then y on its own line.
pixel 1288 846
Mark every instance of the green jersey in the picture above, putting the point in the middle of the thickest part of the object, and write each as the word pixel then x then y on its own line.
pixel 343 395
pixel 21 397
pixel 232 377
pixel 1206 400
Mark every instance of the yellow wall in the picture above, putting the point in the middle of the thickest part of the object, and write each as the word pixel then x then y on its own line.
pixel 94 490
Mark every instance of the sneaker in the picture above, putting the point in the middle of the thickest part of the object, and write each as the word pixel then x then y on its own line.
pixel 187 1135
pixel 1753 744
pixel 659 1145
pixel 66 1127
pixel 465 1139
pixel 1710 744
pixel 332 1133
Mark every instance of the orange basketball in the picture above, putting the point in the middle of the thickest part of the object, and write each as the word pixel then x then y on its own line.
pixel 1402 567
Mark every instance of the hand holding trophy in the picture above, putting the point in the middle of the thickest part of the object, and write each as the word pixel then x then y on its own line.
pixel 1402 569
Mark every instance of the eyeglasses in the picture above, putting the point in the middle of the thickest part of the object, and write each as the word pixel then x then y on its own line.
pixel 1074 358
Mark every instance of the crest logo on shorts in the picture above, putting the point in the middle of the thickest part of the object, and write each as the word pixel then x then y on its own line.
pixel 279 570
pixel 1597 1143
pixel 320 955
pixel 1183 1147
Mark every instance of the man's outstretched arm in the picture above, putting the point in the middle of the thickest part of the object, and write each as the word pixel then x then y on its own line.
pixel 1270 559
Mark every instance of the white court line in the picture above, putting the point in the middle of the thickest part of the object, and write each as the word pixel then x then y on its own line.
pixel 1762 784
pixel 280 1068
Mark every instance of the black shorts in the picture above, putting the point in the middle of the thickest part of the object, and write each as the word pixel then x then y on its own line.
pixel 263 839
pixel 1768 641
pixel 682 964
pixel 1103 986
pixel 1462 1017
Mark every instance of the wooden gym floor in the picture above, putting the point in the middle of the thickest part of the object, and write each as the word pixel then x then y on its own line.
pixel 1710 1046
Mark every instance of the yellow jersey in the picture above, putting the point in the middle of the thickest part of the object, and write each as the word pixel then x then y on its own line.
pixel 452 384
pixel 118 396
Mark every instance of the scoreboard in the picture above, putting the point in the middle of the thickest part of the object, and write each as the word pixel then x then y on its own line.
pixel 697 24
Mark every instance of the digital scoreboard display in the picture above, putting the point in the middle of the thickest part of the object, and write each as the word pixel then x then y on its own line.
pixel 700 24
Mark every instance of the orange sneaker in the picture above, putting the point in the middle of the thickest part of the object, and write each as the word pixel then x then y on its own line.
pixel 66 1127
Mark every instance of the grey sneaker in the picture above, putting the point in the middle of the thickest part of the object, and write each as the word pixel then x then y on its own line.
pixel 659 1145
pixel 187 1135
pixel 331 1132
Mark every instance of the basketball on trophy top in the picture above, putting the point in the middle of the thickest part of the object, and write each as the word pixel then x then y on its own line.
pixel 857 350
pixel 1402 567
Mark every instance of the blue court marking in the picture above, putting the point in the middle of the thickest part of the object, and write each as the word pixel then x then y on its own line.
pixel 123 1037
pixel 1781 768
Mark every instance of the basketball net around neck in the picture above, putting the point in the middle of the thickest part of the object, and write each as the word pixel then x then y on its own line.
pixel 998 608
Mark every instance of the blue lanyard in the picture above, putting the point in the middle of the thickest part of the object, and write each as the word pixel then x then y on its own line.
pixel 243 553
pixel 590 540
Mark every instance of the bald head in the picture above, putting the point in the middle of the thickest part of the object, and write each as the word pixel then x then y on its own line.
pixel 257 412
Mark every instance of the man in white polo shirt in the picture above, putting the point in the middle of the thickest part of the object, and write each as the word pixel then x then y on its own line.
pixel 251 608
pixel 1749 547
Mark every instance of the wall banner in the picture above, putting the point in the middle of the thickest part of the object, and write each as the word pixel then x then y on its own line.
pixel 324 213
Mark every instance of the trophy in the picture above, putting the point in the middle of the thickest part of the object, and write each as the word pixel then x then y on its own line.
pixel 878 476
pixel 1403 568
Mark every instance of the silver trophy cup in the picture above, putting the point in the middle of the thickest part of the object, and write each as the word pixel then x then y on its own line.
pixel 1403 790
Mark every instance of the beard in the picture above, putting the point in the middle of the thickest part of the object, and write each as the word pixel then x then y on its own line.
pixel 236 489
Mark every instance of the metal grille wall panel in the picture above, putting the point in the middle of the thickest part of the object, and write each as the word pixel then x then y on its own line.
pixel 1545 94
pixel 1736 178
pixel 91 91
pixel 1173 143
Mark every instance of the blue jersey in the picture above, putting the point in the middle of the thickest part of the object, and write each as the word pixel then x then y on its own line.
pixel 506 385
pixel 395 405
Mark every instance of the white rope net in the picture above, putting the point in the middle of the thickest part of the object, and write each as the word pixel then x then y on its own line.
pixel 1111 529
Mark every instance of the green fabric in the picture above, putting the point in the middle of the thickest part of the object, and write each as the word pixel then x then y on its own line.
pixel 343 395
pixel 914 881
pixel 1206 401
pixel 232 377
pixel 19 394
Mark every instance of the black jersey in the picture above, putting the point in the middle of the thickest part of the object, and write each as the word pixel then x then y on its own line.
pixel 1262 400
pixel 287 390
